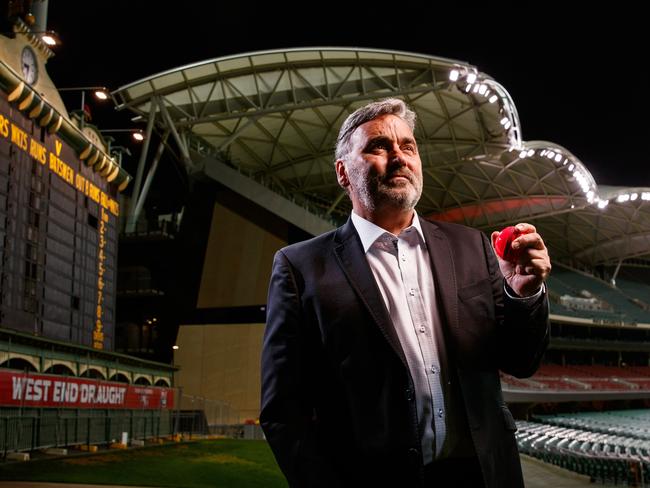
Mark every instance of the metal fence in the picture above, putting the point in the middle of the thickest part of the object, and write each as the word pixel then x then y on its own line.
pixel 216 412
pixel 31 429
pixel 198 415
pixel 28 429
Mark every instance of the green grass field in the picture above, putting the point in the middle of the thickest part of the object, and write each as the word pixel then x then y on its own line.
pixel 223 463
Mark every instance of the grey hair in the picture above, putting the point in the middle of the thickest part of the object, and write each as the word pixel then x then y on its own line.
pixel 387 106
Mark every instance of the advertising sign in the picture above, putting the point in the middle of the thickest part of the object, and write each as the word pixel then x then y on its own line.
pixel 37 390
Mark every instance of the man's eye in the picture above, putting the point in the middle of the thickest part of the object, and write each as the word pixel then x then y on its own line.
pixel 380 146
pixel 408 148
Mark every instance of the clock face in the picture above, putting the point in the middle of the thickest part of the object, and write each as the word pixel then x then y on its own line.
pixel 29 65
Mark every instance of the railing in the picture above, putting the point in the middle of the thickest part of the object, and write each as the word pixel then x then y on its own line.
pixel 153 229
pixel 215 413
pixel 201 416
pixel 31 429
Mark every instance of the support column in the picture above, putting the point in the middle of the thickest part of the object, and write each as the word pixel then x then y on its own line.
pixel 131 220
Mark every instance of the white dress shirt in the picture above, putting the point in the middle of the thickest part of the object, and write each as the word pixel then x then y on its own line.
pixel 402 269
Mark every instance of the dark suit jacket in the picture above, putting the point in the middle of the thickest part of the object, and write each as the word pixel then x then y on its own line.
pixel 338 407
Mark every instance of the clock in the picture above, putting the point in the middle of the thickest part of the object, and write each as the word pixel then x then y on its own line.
pixel 29 65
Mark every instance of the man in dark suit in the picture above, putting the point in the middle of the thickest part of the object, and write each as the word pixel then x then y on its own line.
pixel 384 337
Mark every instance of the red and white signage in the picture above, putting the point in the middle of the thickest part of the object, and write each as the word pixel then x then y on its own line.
pixel 38 390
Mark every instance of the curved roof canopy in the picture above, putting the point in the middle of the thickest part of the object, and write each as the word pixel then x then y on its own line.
pixel 274 116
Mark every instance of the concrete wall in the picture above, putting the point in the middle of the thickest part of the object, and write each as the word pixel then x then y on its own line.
pixel 238 261
pixel 221 363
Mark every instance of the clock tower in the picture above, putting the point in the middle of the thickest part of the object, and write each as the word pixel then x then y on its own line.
pixel 25 53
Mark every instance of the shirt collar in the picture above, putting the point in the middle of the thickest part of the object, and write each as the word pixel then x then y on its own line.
pixel 369 232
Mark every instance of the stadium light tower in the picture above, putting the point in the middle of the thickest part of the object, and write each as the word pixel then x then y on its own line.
pixel 116 150
pixel 100 92
pixel 136 134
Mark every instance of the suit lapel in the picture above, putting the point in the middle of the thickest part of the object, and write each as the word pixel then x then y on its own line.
pixel 351 259
pixel 444 279
pixel 444 275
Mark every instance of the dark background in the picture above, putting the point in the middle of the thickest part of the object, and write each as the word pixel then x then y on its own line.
pixel 577 79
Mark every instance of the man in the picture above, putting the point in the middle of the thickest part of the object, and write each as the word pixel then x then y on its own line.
pixel 384 337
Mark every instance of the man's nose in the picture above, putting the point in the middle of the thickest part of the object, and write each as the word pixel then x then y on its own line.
pixel 396 157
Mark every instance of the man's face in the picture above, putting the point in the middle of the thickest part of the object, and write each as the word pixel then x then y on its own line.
pixel 383 167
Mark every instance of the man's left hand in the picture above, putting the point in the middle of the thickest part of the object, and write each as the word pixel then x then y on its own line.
pixel 526 276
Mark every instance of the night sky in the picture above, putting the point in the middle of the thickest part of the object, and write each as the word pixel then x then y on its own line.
pixel 579 80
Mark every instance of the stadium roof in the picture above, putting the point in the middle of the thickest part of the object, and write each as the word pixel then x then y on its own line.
pixel 265 124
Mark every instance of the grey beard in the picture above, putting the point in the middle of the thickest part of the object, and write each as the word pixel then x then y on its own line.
pixel 374 194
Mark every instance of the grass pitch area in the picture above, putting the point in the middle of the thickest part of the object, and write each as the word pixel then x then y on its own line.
pixel 223 463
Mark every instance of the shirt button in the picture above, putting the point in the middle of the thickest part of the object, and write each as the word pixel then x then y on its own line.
pixel 403 257
pixel 434 369
pixel 412 292
pixel 422 329
pixel 440 412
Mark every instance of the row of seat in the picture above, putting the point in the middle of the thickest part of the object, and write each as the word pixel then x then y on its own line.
pixel 628 423
pixel 603 454
pixel 584 377
pixel 564 281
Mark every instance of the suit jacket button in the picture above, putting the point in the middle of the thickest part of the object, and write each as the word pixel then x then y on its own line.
pixel 409 394
pixel 414 456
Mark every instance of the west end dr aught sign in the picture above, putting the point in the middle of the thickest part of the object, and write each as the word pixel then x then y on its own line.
pixel 35 390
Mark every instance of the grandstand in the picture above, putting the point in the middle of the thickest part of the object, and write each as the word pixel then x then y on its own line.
pixel 595 349
pixel 263 152
pixel 598 358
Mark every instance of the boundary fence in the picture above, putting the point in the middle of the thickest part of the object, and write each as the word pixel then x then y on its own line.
pixel 30 429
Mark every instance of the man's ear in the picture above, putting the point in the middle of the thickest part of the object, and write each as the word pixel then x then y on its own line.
pixel 341 173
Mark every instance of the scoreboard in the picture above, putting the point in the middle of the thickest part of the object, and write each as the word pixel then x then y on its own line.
pixel 58 234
